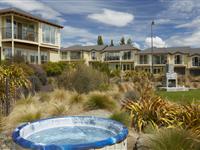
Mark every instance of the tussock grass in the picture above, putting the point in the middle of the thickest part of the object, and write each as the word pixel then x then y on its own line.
pixel 98 100
pixel 57 109
pixel 59 95
pixel 122 117
pixel 174 139
pixel 76 98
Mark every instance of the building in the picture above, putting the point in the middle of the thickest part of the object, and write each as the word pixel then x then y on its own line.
pixel 122 56
pixel 186 60
pixel 32 37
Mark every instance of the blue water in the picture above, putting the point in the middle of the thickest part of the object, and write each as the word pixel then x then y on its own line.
pixel 70 135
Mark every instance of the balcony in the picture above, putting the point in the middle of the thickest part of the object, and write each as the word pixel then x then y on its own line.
pixel 111 58
pixel 20 34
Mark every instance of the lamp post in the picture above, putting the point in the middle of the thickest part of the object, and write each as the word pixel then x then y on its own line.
pixel 152 67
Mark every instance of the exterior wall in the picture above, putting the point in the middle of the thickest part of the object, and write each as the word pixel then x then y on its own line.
pixel 54 56
pixel 86 57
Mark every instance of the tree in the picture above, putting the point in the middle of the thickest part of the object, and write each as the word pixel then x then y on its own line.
pixel 129 41
pixel 99 40
pixel 122 41
pixel 111 43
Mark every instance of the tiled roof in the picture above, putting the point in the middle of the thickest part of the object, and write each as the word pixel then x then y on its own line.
pixel 26 14
pixel 120 48
pixel 84 48
pixel 172 50
pixel 99 48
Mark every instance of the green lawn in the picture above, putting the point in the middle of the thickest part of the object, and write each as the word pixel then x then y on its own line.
pixel 182 97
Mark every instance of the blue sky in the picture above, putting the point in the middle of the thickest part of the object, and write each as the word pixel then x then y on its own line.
pixel 177 22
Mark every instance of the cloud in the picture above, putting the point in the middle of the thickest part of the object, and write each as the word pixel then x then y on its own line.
pixel 77 36
pixel 70 32
pixel 157 42
pixel 35 7
pixel 186 40
pixel 112 18
pixel 162 21
pixel 135 44
pixel 194 24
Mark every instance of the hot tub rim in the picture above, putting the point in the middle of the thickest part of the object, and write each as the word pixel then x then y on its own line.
pixel 121 136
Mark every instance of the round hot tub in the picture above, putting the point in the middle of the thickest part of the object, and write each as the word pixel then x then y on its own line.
pixel 72 133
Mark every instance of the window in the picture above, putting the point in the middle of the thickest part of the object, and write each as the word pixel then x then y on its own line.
pixel 196 61
pixel 75 55
pixel 159 59
pixel 44 57
pixel 7 52
pixel 64 55
pixel 49 34
pixel 126 55
pixel 112 56
pixel 178 59
pixel 8 29
pixel 93 55
pixel 143 59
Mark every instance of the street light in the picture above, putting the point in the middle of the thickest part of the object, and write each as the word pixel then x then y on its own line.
pixel 152 67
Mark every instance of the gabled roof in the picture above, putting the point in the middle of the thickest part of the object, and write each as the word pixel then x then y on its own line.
pixel 84 48
pixel 172 50
pixel 29 15
pixel 120 48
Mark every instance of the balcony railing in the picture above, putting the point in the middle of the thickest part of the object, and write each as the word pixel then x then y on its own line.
pixel 20 34
pixel 110 58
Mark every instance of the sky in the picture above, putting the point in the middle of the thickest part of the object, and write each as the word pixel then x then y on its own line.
pixel 177 22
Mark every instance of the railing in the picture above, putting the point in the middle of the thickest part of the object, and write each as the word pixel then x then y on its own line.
pixel 19 34
pixel 110 58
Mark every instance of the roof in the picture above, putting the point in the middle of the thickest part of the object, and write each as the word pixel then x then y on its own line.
pixel 26 14
pixel 120 48
pixel 172 50
pixel 84 48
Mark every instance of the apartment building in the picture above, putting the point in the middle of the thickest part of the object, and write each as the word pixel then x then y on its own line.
pixel 186 60
pixel 122 56
pixel 34 38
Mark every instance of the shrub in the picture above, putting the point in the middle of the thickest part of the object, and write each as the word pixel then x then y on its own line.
pixel 122 117
pixel 52 68
pixel 82 79
pixel 155 111
pixel 16 79
pixel 131 95
pixel 36 83
pixel 99 101
pixel 40 73
pixel 174 139
pixel 142 83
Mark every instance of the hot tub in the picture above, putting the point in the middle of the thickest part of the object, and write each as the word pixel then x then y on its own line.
pixel 72 133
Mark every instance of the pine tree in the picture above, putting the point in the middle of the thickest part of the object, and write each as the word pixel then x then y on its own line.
pixel 129 41
pixel 111 43
pixel 99 40
pixel 122 41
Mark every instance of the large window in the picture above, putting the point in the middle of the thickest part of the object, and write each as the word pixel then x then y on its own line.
pixel 126 55
pixel 49 34
pixel 112 56
pixel 143 59
pixel 75 55
pixel 159 59
pixel 7 52
pixel 178 59
pixel 64 55
pixel 196 61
